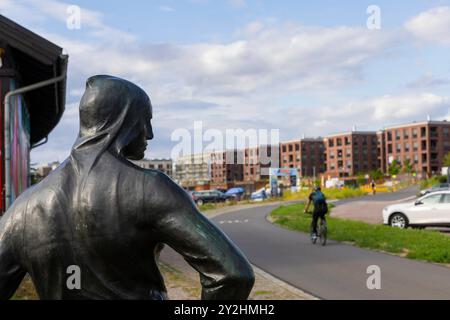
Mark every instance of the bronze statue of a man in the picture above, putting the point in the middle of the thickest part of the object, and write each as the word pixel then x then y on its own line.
pixel 106 216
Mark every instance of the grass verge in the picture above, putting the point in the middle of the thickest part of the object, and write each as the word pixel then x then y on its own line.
pixel 425 245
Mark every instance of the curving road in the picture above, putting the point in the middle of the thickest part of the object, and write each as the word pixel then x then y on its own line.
pixel 336 271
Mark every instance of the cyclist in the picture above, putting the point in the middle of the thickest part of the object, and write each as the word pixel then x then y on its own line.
pixel 320 209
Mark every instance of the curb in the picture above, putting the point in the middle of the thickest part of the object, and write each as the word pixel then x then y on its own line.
pixel 283 284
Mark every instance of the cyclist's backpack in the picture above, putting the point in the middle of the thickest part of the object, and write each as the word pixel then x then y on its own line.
pixel 320 203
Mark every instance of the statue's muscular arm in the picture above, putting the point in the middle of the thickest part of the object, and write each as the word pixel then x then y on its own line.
pixel 224 272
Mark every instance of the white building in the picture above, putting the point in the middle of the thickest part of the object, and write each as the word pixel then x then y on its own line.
pixel 164 165
pixel 193 170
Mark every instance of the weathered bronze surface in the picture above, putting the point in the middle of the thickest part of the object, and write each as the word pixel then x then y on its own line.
pixel 103 214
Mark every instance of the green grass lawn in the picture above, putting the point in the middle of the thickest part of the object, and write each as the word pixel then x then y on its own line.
pixel 424 245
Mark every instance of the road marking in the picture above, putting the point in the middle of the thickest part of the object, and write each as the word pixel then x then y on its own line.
pixel 233 221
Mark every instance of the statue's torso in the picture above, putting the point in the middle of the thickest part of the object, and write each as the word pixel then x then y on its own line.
pixel 96 228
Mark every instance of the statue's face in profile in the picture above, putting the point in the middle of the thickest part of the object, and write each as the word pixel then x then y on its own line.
pixel 135 150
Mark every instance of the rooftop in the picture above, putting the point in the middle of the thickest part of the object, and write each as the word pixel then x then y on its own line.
pixel 33 59
pixel 422 123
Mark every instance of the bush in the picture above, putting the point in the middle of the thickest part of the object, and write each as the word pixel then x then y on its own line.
pixel 331 194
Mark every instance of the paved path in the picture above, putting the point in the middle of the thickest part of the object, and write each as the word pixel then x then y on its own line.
pixel 336 271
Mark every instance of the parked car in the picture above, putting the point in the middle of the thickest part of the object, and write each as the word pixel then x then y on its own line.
pixel 237 193
pixel 259 195
pixel 208 196
pixel 436 187
pixel 431 210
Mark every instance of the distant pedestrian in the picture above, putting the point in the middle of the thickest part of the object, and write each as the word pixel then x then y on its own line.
pixel 374 187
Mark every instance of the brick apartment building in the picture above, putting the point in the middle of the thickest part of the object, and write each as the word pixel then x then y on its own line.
pixel 424 144
pixel 306 154
pixel 257 162
pixel 381 151
pixel 348 154
pixel 227 168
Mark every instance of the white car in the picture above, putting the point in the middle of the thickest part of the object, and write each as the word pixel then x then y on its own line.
pixel 431 210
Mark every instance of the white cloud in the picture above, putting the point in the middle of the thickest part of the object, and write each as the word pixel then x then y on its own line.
pixel 431 26
pixel 236 82
pixel 428 80
pixel 42 10
pixel 410 106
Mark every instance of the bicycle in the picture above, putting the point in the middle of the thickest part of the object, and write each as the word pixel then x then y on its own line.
pixel 322 231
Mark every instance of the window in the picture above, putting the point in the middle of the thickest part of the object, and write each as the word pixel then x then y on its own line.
pixel 433 199
pixel 389 136
pixel 406 134
pixel 446 198
pixel 423 132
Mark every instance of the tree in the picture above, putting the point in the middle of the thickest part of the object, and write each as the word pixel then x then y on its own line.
pixel 394 168
pixel 376 175
pixel 447 160
pixel 361 179
pixel 407 166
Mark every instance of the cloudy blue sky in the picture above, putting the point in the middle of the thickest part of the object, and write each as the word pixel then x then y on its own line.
pixel 304 68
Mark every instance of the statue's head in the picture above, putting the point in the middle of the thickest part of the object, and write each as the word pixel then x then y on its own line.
pixel 118 113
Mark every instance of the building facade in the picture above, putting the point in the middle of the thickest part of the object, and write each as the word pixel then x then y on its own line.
pixel 164 165
pixel 307 155
pixel 423 144
pixel 381 152
pixel 258 160
pixel 227 168
pixel 194 171
pixel 351 153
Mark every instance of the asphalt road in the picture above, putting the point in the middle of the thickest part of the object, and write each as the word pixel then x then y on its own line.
pixel 336 271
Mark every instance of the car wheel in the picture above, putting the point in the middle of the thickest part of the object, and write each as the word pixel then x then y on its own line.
pixel 200 202
pixel 398 220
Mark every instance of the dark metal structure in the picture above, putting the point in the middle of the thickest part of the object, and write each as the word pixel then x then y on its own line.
pixel 100 214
